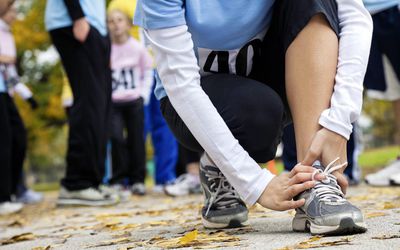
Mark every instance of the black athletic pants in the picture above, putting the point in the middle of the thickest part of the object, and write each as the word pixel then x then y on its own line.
pixel 255 107
pixel 88 69
pixel 12 147
pixel 128 143
pixel 185 157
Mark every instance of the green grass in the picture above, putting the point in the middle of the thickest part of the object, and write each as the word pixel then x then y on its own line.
pixel 377 158
pixel 44 187
pixel 370 159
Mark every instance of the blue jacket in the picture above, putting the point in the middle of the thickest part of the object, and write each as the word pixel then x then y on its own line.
pixel 61 13
pixel 375 6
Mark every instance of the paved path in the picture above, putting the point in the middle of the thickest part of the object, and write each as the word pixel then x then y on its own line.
pixel 157 221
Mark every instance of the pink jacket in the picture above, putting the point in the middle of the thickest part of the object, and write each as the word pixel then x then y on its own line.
pixel 131 66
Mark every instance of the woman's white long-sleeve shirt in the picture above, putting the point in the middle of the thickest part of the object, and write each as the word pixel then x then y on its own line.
pixel 178 69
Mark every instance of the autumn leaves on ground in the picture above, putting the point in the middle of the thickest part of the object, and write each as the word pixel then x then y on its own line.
pixel 156 221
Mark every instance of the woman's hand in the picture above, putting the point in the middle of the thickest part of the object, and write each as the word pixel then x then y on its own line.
pixel 326 146
pixel 279 193
pixel 81 29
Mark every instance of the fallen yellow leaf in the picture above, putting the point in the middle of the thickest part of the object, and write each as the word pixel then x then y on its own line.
pixel 189 237
pixel 390 205
pixel 375 214
pixel 18 238
pixel 307 244
pixel 42 248
pixel 386 237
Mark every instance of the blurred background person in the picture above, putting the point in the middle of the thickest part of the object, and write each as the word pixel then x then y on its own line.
pixel 13 136
pixel 4 5
pixel 164 144
pixel 187 169
pixel 385 59
pixel 78 31
pixel 131 66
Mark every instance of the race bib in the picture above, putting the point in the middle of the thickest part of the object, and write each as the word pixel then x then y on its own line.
pixel 123 79
pixel 237 61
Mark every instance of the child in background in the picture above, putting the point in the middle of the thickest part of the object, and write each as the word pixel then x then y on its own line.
pixel 13 133
pixel 131 82
pixel 4 4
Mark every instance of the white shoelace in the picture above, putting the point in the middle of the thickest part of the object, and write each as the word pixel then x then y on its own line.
pixel 223 187
pixel 329 192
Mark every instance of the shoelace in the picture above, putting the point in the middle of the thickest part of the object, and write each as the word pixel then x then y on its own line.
pixel 224 190
pixel 329 192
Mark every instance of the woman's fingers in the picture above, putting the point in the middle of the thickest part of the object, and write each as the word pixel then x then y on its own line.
pixel 287 205
pixel 301 169
pixel 296 189
pixel 303 177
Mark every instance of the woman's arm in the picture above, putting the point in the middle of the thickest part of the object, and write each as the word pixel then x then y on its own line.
pixel 354 47
pixel 7 59
pixel 179 72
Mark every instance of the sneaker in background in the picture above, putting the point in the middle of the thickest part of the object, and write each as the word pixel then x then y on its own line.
pixel 7 208
pixel 117 192
pixel 184 185
pixel 382 177
pixel 326 211
pixel 158 189
pixel 138 189
pixel 85 197
pixel 30 197
pixel 395 180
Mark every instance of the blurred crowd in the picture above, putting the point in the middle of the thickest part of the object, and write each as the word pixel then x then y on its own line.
pixel 108 96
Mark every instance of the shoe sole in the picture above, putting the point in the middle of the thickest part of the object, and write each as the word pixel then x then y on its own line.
pixel 183 194
pixel 377 184
pixel 239 220
pixel 173 195
pixel 12 212
pixel 347 226
pixel 78 202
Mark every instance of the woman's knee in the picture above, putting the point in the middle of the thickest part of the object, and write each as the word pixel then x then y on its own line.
pixel 253 112
pixel 263 118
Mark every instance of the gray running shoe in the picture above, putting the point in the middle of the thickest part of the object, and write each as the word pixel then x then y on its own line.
pixel 223 207
pixel 326 211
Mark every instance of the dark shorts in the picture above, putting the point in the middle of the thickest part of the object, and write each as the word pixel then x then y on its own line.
pixel 290 17
pixel 255 107
pixel 385 41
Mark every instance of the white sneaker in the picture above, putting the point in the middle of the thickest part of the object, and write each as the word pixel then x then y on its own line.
pixel 158 189
pixel 85 197
pixel 382 177
pixel 110 191
pixel 395 179
pixel 184 185
pixel 30 197
pixel 119 190
pixel 10 207
pixel 138 189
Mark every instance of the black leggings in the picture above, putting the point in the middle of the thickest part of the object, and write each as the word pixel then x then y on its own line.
pixel 253 112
